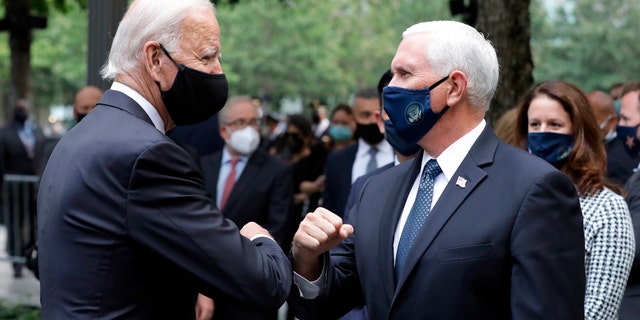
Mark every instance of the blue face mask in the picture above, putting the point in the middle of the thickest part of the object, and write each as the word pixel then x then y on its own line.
pixel 628 135
pixel 340 133
pixel 410 111
pixel 403 147
pixel 550 146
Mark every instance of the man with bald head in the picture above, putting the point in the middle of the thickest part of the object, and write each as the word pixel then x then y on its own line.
pixel 620 163
pixel 605 112
pixel 126 228
pixel 86 99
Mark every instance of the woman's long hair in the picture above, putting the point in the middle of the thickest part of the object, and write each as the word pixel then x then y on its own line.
pixel 586 164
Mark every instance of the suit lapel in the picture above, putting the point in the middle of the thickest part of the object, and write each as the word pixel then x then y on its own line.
pixel 119 100
pixel 480 155
pixel 245 183
pixel 215 175
pixel 351 158
pixel 389 221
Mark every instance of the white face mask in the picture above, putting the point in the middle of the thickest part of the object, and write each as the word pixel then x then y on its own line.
pixel 245 140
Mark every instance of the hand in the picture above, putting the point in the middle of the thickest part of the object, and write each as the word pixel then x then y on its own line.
pixel 319 183
pixel 318 233
pixel 253 229
pixel 204 307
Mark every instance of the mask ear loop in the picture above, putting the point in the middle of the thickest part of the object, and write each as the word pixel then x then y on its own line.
pixel 170 58
pixel 168 55
pixel 433 86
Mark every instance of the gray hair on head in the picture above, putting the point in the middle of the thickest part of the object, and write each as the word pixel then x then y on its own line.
pixel 222 115
pixel 457 46
pixel 148 20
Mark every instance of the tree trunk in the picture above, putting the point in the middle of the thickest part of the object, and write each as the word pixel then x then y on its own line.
pixel 507 24
pixel 17 14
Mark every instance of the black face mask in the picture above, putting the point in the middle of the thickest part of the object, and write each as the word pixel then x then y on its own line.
pixel 370 133
pixel 295 144
pixel 195 96
pixel 20 116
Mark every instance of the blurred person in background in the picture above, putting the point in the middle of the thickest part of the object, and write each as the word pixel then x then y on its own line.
pixel 370 152
pixel 247 184
pixel 22 146
pixel 342 127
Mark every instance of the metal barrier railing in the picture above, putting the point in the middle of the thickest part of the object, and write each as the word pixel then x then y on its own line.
pixel 19 193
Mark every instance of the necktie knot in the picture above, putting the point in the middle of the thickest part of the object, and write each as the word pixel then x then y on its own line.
pixel 432 169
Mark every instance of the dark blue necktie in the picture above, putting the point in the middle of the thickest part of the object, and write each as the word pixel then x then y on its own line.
pixel 418 213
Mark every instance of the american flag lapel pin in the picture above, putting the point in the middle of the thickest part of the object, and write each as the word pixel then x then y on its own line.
pixel 461 182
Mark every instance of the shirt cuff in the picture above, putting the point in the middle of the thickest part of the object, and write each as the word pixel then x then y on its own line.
pixel 261 236
pixel 311 289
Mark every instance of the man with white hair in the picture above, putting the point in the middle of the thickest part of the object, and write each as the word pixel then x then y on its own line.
pixel 126 227
pixel 487 232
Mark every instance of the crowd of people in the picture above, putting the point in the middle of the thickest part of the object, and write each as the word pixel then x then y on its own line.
pixel 172 200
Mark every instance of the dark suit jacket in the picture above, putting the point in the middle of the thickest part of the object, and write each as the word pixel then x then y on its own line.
pixel 509 244
pixel 127 230
pixel 620 164
pixel 337 184
pixel 630 306
pixel 358 185
pixel 13 155
pixel 263 193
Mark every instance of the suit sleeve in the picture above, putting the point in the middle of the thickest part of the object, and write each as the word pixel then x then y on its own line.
pixel 329 196
pixel 279 217
pixel 169 212
pixel 633 201
pixel 547 240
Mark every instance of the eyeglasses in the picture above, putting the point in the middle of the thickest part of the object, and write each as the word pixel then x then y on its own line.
pixel 244 122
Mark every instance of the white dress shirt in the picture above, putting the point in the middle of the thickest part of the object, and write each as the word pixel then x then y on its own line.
pixel 384 155
pixel 144 103
pixel 225 169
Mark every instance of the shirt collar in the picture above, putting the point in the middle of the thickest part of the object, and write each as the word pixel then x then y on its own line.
pixel 382 146
pixel 226 156
pixel 144 103
pixel 451 158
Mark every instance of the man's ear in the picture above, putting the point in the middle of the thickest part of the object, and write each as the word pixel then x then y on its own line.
pixel 379 121
pixel 458 87
pixel 152 61
pixel 224 133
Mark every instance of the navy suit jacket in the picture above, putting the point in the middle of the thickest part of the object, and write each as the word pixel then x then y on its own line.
pixel 337 183
pixel 358 185
pixel 509 244
pixel 630 306
pixel 127 230
pixel 620 163
pixel 263 193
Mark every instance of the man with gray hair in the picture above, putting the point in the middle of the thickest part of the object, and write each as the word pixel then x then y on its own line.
pixel 126 227
pixel 472 228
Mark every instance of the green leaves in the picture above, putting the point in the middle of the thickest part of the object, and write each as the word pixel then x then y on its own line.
pixel 591 44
